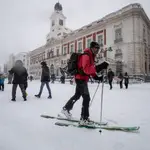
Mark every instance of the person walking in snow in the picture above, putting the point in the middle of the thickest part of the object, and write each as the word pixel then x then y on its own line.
pixel 126 80
pixel 86 62
pixel 45 79
pixel 121 80
pixel 110 77
pixel 19 76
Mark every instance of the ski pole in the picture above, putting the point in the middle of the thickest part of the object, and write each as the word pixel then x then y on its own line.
pixel 101 110
pixel 94 94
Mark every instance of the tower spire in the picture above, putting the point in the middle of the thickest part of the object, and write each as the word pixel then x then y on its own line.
pixel 58 6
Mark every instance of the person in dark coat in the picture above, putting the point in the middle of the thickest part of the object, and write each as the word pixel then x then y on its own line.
pixel 121 80
pixel 45 79
pixel 110 76
pixel 19 78
pixel 126 80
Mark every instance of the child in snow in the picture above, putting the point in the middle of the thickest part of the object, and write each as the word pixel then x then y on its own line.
pixel 2 79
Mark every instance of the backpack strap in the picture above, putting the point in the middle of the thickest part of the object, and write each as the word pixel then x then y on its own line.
pixel 80 70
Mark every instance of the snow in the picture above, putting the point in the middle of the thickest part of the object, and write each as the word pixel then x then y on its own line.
pixel 22 128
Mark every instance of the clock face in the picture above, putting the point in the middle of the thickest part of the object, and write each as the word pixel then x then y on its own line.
pixel 61 22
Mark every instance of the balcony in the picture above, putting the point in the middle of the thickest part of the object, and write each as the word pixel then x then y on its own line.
pixel 118 55
pixel 118 40
pixel 71 53
pixel 80 51
pixel 64 54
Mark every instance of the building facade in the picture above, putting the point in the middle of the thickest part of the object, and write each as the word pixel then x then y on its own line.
pixel 126 31
pixel 11 61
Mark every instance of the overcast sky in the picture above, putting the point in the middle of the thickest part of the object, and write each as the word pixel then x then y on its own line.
pixel 24 24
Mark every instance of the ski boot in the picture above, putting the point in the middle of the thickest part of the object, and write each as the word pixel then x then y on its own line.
pixel 85 122
pixel 66 113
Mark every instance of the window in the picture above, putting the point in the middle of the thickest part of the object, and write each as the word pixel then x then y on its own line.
pixel 118 54
pixel 118 35
pixel 52 54
pixel 53 22
pixel 72 49
pixel 65 50
pixel 61 22
pixel 57 52
pixel 100 40
pixel 119 67
pixel 58 34
pixel 65 62
pixel 144 34
pixel 80 47
pixel 88 42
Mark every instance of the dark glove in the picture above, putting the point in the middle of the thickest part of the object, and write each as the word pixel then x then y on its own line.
pixel 101 66
pixel 98 78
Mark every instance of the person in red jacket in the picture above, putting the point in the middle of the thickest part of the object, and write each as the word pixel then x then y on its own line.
pixel 86 62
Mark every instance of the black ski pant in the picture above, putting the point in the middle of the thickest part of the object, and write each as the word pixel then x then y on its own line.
pixel 14 88
pixel 110 83
pixel 81 90
pixel 2 87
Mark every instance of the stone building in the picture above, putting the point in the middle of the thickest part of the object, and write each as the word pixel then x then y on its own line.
pixel 126 32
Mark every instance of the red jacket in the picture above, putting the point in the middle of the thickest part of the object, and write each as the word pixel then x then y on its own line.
pixel 87 63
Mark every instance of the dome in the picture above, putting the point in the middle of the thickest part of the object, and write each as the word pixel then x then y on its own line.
pixel 58 6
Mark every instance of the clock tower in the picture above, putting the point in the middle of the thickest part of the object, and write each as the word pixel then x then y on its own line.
pixel 57 23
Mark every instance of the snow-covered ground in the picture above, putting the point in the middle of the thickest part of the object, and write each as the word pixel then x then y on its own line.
pixel 22 128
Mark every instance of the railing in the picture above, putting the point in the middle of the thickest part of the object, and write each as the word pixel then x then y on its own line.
pixel 118 40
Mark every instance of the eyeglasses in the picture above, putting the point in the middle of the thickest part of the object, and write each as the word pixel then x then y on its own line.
pixel 97 47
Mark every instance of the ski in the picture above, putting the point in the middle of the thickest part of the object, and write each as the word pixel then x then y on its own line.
pixel 94 126
pixel 127 129
pixel 77 125
pixel 71 120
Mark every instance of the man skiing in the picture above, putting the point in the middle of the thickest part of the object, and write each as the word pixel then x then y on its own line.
pixel 20 76
pixel 45 79
pixel 86 62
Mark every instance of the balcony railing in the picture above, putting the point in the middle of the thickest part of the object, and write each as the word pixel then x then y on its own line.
pixel 118 40
pixel 65 54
